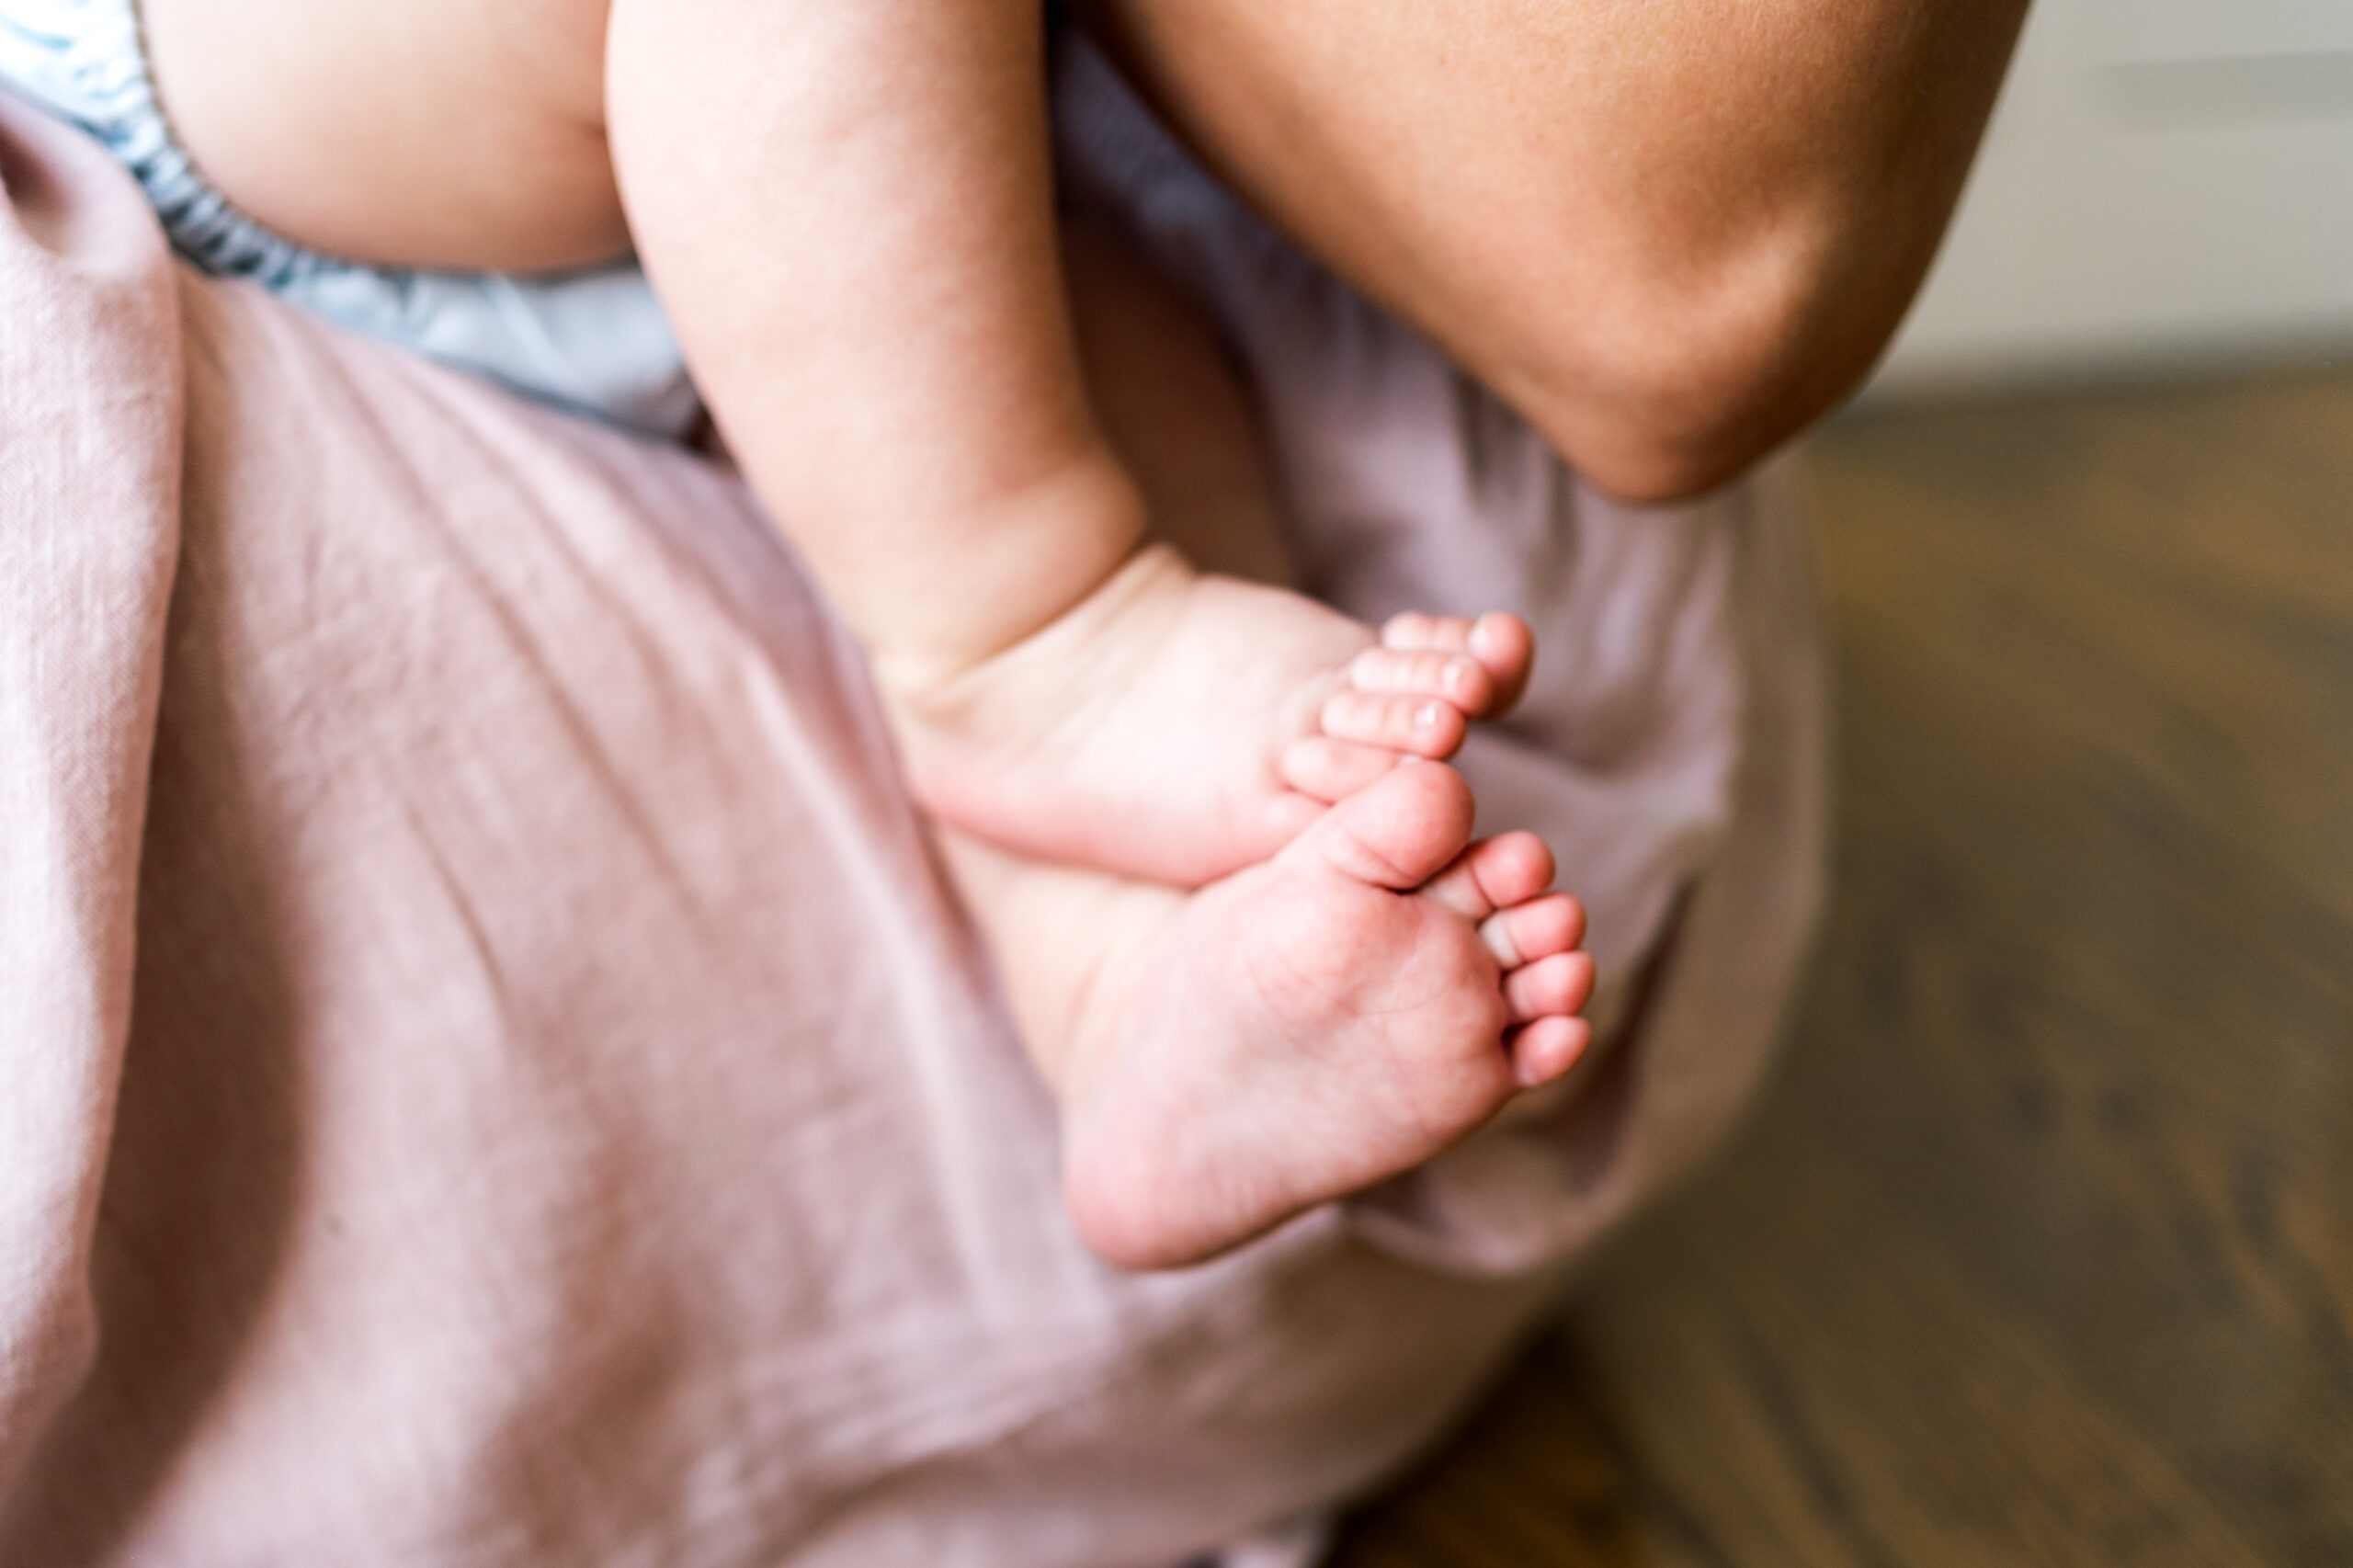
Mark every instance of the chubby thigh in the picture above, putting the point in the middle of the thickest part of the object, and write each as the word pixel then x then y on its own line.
pixel 440 133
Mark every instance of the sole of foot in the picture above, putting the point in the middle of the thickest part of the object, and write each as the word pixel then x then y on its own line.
pixel 1340 1013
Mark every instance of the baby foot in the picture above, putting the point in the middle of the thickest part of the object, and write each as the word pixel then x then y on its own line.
pixel 1315 1023
pixel 1179 726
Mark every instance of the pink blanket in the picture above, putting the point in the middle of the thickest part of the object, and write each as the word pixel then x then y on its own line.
pixel 488 1075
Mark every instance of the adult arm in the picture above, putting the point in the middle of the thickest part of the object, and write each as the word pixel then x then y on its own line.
pixel 1671 232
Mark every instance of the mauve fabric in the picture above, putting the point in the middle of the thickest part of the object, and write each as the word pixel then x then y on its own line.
pixel 489 1074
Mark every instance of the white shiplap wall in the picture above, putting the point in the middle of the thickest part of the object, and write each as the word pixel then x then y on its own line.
pixel 2164 179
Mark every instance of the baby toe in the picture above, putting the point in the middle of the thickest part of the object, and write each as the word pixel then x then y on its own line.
pixel 1411 630
pixel 1555 985
pixel 1543 1050
pixel 1534 929
pixel 1499 642
pixel 1396 833
pixel 1425 726
pixel 1505 648
pixel 1457 678
pixel 1329 769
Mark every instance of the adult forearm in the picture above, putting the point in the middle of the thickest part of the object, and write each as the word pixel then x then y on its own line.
pixel 1671 232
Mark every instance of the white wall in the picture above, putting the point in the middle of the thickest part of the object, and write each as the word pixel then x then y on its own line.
pixel 2164 178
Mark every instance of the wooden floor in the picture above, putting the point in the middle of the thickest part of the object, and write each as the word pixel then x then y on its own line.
pixel 2041 1250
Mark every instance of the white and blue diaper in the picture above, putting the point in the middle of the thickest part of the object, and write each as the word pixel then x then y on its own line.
pixel 594 341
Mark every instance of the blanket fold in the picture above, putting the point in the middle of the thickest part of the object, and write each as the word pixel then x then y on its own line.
pixel 89 532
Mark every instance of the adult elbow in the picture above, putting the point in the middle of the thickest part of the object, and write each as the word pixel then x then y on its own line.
pixel 1669 389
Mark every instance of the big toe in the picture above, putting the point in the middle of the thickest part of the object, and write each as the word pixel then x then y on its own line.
pixel 1498 644
pixel 1503 643
pixel 1395 833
